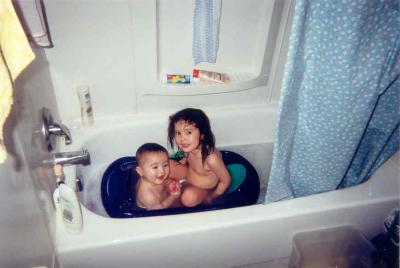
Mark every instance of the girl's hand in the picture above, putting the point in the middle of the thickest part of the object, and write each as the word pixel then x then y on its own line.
pixel 209 199
pixel 183 161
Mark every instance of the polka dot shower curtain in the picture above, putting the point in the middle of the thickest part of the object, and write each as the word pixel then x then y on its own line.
pixel 339 107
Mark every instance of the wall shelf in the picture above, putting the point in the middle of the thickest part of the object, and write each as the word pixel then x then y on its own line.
pixel 239 82
pixel 245 45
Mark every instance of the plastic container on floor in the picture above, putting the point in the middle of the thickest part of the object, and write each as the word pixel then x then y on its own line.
pixel 341 247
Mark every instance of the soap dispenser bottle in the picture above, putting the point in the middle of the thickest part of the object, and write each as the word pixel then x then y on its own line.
pixel 68 204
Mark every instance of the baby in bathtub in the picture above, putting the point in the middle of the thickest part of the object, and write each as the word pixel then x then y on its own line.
pixel 155 189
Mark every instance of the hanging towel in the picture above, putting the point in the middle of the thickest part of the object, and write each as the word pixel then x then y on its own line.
pixel 16 54
pixel 206 30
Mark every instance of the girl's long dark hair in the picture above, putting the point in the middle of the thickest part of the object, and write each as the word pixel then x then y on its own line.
pixel 201 121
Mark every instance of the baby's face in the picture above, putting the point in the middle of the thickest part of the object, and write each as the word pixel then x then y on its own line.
pixel 154 167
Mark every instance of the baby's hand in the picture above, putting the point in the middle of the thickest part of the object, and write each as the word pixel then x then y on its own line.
pixel 174 187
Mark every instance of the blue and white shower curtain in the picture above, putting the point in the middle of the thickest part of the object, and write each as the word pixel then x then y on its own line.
pixel 339 107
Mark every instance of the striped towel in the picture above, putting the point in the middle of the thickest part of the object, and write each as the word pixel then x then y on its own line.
pixel 205 30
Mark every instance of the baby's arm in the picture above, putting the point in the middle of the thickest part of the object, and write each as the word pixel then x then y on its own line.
pixel 148 199
pixel 152 202
pixel 217 165
pixel 170 200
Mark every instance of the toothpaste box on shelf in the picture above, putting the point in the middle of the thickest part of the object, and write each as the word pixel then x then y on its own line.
pixel 178 79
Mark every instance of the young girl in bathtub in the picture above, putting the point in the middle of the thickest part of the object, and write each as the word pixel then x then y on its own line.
pixel 155 189
pixel 206 174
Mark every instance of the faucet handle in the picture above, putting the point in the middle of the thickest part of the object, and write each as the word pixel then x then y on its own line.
pixel 50 129
pixel 60 130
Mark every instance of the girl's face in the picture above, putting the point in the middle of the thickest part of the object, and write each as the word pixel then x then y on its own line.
pixel 187 136
pixel 154 167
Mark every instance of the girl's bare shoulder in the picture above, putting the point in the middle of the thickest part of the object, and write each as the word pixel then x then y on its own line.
pixel 215 157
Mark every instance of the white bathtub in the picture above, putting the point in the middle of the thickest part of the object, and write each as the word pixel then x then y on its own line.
pixel 225 238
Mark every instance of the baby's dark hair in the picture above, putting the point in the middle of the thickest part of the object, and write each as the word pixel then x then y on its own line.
pixel 201 121
pixel 149 148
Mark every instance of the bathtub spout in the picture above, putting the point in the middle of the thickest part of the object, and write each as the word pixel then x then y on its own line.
pixel 72 158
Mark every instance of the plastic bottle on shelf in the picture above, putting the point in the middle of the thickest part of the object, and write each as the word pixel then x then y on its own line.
pixel 86 105
pixel 209 76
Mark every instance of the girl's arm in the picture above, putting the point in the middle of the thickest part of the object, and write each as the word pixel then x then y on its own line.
pixel 178 170
pixel 217 165
pixel 184 161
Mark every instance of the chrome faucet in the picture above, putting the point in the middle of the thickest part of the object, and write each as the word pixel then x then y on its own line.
pixel 72 158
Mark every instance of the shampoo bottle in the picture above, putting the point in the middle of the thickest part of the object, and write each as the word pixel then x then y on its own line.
pixel 68 203
pixel 86 105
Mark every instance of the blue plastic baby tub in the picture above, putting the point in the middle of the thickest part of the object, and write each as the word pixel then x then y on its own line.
pixel 119 179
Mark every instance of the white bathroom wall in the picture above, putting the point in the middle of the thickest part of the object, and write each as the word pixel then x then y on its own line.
pixel 27 220
pixel 93 45
pixel 121 48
